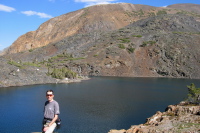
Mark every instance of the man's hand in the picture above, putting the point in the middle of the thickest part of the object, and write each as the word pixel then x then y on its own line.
pixel 45 129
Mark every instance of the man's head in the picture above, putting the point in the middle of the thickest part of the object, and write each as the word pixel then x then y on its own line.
pixel 49 95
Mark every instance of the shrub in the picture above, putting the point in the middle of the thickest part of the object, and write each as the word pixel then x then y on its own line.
pixel 130 50
pixel 193 94
pixel 121 46
pixel 125 40
pixel 30 50
pixel 62 73
pixel 147 42
pixel 143 45
pixel 137 35
pixel 161 12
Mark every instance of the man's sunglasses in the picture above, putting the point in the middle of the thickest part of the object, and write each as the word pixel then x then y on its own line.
pixel 49 95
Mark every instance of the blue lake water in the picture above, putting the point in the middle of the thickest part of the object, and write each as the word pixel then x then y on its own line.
pixel 92 106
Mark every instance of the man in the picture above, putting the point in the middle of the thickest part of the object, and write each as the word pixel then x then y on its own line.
pixel 51 112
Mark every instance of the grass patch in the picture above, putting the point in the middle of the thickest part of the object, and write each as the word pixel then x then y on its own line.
pixel 121 46
pixel 147 42
pixel 137 35
pixel 31 64
pixel 21 65
pixel 124 40
pixel 17 64
pixel 130 50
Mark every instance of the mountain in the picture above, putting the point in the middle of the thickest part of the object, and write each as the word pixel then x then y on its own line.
pixel 159 42
pixel 100 17
pixel 186 7
pixel 91 19
pixel 159 46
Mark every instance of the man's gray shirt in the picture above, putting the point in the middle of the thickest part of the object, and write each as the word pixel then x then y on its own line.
pixel 51 109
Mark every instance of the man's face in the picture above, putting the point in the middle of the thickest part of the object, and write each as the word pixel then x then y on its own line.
pixel 49 96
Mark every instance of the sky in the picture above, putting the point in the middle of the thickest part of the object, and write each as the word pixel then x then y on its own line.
pixel 18 17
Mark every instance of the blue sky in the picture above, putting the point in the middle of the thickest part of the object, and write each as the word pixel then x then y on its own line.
pixel 21 16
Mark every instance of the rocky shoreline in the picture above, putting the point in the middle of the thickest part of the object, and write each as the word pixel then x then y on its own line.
pixel 180 118
pixel 12 75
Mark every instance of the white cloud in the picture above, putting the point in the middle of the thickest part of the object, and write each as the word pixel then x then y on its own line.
pixel 164 6
pixel 95 2
pixel 6 8
pixel 41 15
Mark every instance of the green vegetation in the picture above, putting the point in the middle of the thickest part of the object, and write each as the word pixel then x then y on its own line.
pixel 151 14
pixel 188 13
pixel 17 64
pixel 177 32
pixel 31 64
pixel 193 94
pixel 62 58
pixel 95 55
pixel 161 12
pixel 189 33
pixel 137 35
pixel 188 125
pixel 130 50
pixel 54 65
pixel 62 73
pixel 147 42
pixel 22 65
pixel 139 13
pixel 30 50
pixel 125 40
pixel 121 46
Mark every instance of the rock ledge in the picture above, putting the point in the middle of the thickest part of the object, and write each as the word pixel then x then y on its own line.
pixel 183 117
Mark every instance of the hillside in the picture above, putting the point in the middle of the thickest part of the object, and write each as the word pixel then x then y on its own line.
pixel 100 18
pixel 91 19
pixel 163 45
pixel 160 46
pixel 186 7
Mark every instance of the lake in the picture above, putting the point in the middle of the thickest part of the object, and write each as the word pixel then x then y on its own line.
pixel 92 106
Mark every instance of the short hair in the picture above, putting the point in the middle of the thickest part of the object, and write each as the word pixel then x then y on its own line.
pixel 50 91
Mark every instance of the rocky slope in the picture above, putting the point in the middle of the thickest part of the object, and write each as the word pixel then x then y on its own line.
pixel 181 118
pixel 96 18
pixel 165 45
pixel 12 75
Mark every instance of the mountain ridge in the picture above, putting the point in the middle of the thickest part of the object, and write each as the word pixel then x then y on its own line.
pixel 99 17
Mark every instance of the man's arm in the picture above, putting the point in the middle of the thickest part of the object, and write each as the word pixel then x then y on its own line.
pixel 53 120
